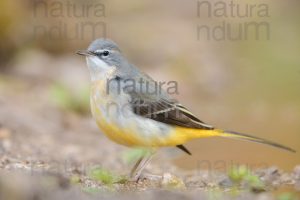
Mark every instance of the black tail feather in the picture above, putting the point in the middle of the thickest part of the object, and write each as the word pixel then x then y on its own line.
pixel 251 138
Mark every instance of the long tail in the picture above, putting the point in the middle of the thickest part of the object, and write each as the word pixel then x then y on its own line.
pixel 242 136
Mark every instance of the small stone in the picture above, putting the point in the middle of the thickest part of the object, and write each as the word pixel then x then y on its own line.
pixel 172 182
pixel 273 171
pixel 297 172
pixel 226 183
pixel 195 182
pixel 271 175
pixel 287 179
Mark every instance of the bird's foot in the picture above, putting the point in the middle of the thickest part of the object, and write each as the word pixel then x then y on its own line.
pixel 145 176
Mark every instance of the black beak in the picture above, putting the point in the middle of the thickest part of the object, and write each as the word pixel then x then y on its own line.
pixel 85 53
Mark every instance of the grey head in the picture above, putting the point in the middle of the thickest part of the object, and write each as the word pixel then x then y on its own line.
pixel 104 56
pixel 100 46
pixel 106 62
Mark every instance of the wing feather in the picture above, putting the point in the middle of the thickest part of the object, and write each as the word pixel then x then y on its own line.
pixel 169 112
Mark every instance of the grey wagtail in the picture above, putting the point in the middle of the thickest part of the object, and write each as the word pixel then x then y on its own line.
pixel 131 114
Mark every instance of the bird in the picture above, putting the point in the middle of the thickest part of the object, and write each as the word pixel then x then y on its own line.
pixel 129 113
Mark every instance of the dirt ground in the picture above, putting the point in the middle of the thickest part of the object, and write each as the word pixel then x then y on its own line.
pixel 48 152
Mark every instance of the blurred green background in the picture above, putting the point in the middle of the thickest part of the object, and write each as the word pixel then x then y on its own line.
pixel 247 85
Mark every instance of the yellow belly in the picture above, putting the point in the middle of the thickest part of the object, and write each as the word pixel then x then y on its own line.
pixel 123 136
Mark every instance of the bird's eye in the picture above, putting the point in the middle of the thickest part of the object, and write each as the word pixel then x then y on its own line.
pixel 105 53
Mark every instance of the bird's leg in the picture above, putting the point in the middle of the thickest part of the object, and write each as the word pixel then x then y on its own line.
pixel 133 170
pixel 140 166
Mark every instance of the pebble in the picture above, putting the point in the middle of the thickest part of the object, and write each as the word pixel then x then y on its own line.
pixel 226 183
pixel 195 182
pixel 172 182
pixel 296 175
pixel 297 172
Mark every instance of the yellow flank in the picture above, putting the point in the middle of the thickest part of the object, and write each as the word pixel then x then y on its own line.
pixel 182 134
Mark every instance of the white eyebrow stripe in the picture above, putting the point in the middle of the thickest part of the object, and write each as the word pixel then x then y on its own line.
pixel 99 51
pixel 102 50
